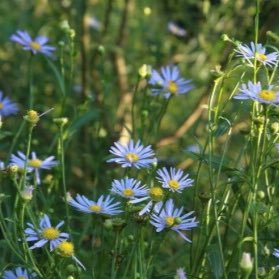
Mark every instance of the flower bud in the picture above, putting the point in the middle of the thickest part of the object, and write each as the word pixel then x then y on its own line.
pixel 145 71
pixel 13 168
pixel 27 193
pixel 32 116
pixel 246 263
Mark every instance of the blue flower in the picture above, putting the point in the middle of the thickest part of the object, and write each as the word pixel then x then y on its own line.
pixel 176 29
pixel 166 216
pixel 169 82
pixel 249 53
pixel 7 107
pixel 276 253
pixel 33 164
pixel 132 155
pixel 19 272
pixel 174 179
pixel 38 45
pixel 46 233
pixel 256 92
pixel 128 188
pixel 154 195
pixel 104 205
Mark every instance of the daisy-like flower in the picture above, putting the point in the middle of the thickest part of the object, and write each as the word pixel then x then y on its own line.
pixel 67 249
pixel 7 107
pixel 132 155
pixel 172 218
pixel 155 195
pixel 128 188
pixel 175 29
pixel 276 253
pixel 174 179
pixel 19 273
pixel 37 45
pixel 169 82
pixel 249 53
pixel 104 205
pixel 33 164
pixel 257 93
pixel 180 273
pixel 45 233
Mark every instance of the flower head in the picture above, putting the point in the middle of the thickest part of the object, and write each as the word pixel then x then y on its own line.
pixel 128 188
pixel 45 233
pixel 169 82
pixel 168 217
pixel 257 93
pixel 67 249
pixel 276 253
pixel 38 45
pixel 174 179
pixel 19 273
pixel 249 53
pixel 27 193
pixel 175 29
pixel 180 273
pixel 154 195
pixel 7 107
pixel 33 164
pixel 104 205
pixel 132 155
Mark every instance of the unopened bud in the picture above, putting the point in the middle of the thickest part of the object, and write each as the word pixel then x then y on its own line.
pixel 145 71
pixel 61 121
pixel 32 116
pixel 13 168
pixel 246 263
pixel 27 193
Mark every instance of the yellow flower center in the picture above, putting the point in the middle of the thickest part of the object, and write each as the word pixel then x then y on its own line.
pixel 66 248
pixel 172 87
pixel 35 163
pixel 35 46
pixel 174 184
pixel 21 277
pixel 132 157
pixel 1 105
pixel 50 233
pixel 267 95
pixel 95 208
pixel 260 57
pixel 156 193
pixel 128 192
pixel 170 221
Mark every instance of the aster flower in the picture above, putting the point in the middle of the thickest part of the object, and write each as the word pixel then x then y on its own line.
pixel 176 29
pixel 180 273
pixel 38 45
pixel 172 218
pixel 169 82
pixel 128 188
pixel 154 195
pixel 19 273
pixel 257 93
pixel 174 179
pixel 67 249
pixel 132 155
pixel 46 233
pixel 249 53
pixel 276 253
pixel 33 164
pixel 104 205
pixel 7 107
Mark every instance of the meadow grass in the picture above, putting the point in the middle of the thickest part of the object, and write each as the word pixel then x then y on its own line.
pixel 139 139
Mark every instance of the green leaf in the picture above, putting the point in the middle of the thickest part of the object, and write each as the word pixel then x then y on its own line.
pixel 215 261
